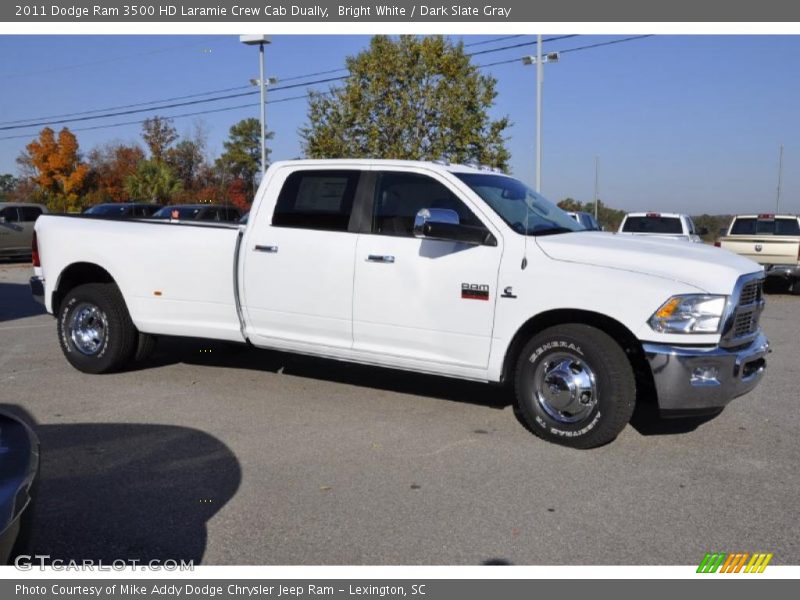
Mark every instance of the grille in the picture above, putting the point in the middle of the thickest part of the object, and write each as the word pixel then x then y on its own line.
pixel 751 293
pixel 746 323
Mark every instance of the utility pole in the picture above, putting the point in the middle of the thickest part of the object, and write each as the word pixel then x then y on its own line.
pixel 539 83
pixel 780 177
pixel 260 41
pixel 539 61
pixel 596 169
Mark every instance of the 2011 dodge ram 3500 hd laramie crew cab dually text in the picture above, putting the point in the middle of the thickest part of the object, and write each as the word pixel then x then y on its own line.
pixel 428 267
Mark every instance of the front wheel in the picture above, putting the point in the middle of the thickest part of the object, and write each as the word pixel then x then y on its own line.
pixel 95 329
pixel 574 386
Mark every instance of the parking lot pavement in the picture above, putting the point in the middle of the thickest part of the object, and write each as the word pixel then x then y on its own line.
pixel 228 455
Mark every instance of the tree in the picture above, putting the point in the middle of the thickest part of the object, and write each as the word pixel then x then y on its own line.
pixel 242 156
pixel 185 160
pixel 57 168
pixel 158 134
pixel 7 185
pixel 152 182
pixel 110 167
pixel 409 98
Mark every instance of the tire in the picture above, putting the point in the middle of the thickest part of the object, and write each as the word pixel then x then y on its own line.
pixel 95 330
pixel 145 344
pixel 574 386
pixel 794 287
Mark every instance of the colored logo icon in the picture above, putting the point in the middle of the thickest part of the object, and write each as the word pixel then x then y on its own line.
pixel 741 562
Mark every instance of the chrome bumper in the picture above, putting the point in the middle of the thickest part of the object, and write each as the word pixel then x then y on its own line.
pixel 695 379
pixel 37 289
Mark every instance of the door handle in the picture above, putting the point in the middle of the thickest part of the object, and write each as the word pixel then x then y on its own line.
pixel 381 258
pixel 271 249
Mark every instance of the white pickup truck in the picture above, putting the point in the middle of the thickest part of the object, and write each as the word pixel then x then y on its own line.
pixel 664 225
pixel 429 267
pixel 771 240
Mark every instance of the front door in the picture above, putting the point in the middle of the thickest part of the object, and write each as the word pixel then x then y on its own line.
pixel 417 298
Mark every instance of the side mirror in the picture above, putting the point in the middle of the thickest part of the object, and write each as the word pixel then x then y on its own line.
pixel 443 224
pixel 703 231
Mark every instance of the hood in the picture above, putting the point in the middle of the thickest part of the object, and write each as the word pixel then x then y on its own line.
pixel 705 267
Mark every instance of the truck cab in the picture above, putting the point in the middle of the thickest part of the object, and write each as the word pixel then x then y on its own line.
pixel 664 225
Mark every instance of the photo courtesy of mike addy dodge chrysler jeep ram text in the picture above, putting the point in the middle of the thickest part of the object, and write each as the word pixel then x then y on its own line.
pixel 429 267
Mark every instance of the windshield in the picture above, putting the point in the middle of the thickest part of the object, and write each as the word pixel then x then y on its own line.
pixel 668 225
pixel 524 210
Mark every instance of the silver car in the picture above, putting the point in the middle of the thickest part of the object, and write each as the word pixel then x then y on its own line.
pixel 16 228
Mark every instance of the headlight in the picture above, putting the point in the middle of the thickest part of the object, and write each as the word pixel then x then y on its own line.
pixel 692 313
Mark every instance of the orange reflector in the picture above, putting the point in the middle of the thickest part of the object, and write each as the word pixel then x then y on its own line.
pixel 157 293
pixel 668 308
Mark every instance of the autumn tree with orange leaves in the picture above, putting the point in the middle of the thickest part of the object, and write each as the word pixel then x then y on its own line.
pixel 57 169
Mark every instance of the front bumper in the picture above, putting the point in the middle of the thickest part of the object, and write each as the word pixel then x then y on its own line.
pixel 37 289
pixel 785 271
pixel 696 379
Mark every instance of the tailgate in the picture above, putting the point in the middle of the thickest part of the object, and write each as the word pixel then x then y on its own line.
pixel 766 250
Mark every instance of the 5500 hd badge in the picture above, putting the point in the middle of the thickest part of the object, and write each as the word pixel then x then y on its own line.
pixel 474 291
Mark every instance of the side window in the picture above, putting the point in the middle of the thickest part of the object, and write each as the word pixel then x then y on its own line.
pixel 29 213
pixel 10 214
pixel 316 200
pixel 400 196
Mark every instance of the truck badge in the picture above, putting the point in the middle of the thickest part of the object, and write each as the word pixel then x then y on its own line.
pixel 474 291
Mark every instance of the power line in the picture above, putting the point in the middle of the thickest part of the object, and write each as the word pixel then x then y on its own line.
pixel 627 39
pixel 224 109
pixel 522 44
pixel 178 116
pixel 66 117
pixel 164 106
pixel 492 41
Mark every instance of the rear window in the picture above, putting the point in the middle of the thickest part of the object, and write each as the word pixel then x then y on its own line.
pixel 316 200
pixel 174 212
pixel 751 226
pixel 29 213
pixel 668 225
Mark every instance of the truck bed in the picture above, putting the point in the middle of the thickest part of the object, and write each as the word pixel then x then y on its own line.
pixel 177 277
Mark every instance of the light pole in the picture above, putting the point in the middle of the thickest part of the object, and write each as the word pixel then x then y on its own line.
pixel 260 41
pixel 780 177
pixel 539 61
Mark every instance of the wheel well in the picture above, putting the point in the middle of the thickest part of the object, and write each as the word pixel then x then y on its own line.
pixel 77 274
pixel 630 344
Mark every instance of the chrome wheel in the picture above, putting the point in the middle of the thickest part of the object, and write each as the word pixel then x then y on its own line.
pixel 565 387
pixel 87 328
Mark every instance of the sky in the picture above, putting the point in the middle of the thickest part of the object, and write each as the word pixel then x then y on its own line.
pixel 678 123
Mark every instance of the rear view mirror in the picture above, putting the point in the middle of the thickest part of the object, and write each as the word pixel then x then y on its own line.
pixel 443 224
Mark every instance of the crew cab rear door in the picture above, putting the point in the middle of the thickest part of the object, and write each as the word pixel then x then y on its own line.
pixel 298 260
pixel 426 300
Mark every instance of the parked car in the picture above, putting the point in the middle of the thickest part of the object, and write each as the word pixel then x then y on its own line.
pixel 433 268
pixel 663 225
pixel 771 240
pixel 16 228
pixel 19 468
pixel 586 219
pixel 199 212
pixel 123 210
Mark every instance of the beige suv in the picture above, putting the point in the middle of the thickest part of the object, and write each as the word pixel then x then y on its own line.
pixel 16 228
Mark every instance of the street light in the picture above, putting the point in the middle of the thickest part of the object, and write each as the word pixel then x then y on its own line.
pixel 260 41
pixel 539 60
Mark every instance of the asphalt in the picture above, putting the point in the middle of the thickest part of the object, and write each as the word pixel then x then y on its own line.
pixel 228 455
